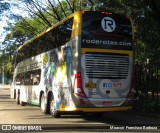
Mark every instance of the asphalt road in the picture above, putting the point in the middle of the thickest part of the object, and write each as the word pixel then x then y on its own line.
pixel 30 118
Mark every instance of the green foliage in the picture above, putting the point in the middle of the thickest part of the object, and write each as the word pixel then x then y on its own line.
pixel 6 65
pixel 146 26
pixel 145 15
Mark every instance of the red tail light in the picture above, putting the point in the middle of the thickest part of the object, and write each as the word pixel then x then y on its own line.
pixel 78 89
pixel 83 12
pixel 108 13
pixel 127 17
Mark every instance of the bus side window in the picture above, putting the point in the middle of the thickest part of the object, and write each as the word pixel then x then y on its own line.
pixel 17 79
pixel 27 78
pixel 36 80
pixel 35 76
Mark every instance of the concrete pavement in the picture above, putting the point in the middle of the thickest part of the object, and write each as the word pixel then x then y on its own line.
pixel 4 86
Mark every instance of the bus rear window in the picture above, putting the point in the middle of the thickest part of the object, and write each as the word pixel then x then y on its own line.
pixel 105 24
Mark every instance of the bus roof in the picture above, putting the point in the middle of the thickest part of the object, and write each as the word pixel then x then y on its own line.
pixel 70 16
pixel 46 31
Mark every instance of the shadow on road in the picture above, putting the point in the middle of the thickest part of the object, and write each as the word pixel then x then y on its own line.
pixel 5 97
pixel 124 118
pixel 6 101
pixel 90 122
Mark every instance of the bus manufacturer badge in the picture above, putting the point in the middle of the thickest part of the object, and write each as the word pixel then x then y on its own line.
pixel 108 24
pixel 90 85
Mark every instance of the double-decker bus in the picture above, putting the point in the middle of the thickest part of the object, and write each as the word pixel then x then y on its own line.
pixel 82 64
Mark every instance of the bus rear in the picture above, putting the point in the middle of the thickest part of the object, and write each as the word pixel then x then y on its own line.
pixel 105 76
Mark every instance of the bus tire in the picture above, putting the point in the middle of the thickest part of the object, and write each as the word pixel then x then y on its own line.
pixel 55 113
pixel 14 94
pixel 22 103
pixel 44 106
pixel 18 98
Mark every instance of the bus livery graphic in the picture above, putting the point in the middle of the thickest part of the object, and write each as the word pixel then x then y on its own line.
pixel 82 64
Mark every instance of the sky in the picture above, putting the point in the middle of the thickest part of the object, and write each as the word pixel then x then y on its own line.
pixel 3 23
pixel 15 10
pixel 4 19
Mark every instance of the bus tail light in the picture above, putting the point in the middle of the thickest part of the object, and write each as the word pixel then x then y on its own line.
pixel 127 17
pixel 108 13
pixel 78 89
pixel 83 12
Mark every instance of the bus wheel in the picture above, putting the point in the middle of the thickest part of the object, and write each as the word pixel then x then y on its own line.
pixel 22 103
pixel 55 113
pixel 14 94
pixel 18 98
pixel 44 108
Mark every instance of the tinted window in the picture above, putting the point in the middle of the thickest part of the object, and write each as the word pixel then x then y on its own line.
pixel 53 39
pixel 92 24
pixel 106 30
pixel 29 77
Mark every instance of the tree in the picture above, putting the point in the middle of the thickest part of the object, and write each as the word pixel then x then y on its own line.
pixel 43 14
pixel 4 6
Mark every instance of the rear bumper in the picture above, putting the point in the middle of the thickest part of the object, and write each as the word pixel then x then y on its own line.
pixel 108 109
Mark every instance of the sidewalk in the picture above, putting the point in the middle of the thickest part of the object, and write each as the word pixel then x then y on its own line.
pixel 3 86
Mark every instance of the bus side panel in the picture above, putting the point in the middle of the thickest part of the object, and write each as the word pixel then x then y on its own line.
pixel 35 94
pixel 24 93
pixel 57 67
pixel 12 91
pixel 77 102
